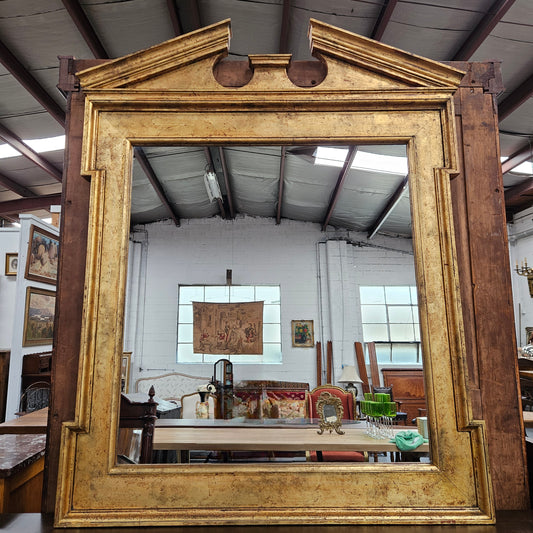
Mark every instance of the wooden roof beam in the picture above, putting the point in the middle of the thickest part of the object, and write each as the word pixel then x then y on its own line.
pixel 285 26
pixel 350 156
pixel 515 99
pixel 23 76
pixel 383 19
pixel 15 187
pixel 520 194
pixel 521 155
pixel 495 13
pixel 174 17
pixel 13 207
pixel 18 144
pixel 81 21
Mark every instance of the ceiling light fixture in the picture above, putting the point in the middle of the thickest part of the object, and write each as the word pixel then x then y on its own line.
pixel 211 186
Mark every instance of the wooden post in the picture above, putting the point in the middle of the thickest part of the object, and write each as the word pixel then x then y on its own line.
pixel 71 279
pixel 484 271
pixel 318 364
pixel 329 367
pixel 374 369
pixel 360 355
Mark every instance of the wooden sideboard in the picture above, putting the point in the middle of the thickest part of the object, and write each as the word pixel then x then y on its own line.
pixel 407 388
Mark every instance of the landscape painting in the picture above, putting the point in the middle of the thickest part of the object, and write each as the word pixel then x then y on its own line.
pixel 39 317
pixel 43 256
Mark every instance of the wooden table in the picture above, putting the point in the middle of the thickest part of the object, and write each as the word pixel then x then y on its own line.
pixel 34 422
pixel 272 438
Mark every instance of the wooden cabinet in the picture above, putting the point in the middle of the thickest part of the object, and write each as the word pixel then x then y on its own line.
pixel 4 379
pixel 36 368
pixel 407 388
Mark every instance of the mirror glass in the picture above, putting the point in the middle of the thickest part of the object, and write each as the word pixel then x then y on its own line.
pixel 253 271
pixel 330 413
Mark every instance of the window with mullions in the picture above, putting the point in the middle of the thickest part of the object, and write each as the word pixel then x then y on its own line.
pixel 269 294
pixel 389 316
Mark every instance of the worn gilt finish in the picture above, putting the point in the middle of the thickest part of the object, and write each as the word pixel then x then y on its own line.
pixel 372 94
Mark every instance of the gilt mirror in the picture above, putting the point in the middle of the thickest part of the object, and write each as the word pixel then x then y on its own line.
pixel 169 96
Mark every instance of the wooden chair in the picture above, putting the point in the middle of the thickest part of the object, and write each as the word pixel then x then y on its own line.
pixel 36 396
pixel 348 404
pixel 138 415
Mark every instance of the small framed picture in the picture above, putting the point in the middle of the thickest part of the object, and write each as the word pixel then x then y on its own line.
pixel 12 262
pixel 39 317
pixel 42 260
pixel 125 372
pixel 302 333
pixel 529 335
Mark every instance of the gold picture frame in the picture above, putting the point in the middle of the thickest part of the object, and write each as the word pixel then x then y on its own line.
pixel 39 316
pixel 42 256
pixel 372 94
pixel 11 264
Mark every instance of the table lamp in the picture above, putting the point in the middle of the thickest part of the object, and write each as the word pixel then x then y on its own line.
pixel 350 376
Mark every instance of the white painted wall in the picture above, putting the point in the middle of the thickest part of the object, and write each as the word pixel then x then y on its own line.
pixel 17 350
pixel 521 247
pixel 258 252
pixel 9 243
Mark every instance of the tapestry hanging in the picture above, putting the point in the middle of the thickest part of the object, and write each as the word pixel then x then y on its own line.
pixel 228 328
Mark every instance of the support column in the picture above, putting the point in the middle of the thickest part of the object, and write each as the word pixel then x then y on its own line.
pixel 484 271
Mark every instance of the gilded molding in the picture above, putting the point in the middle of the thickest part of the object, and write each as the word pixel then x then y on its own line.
pixel 372 93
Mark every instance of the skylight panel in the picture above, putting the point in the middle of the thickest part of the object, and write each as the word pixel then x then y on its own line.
pixel 39 145
pixel 368 161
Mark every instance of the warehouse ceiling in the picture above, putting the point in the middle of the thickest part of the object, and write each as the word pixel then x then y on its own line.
pixel 353 187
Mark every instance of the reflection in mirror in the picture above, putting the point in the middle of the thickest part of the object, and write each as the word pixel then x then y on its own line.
pixel 253 273
pixel 330 412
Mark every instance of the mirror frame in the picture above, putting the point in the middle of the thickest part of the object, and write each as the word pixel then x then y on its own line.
pixel 168 95
pixel 325 423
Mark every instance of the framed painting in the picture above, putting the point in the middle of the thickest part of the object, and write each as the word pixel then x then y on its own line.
pixel 529 335
pixel 125 372
pixel 39 317
pixel 42 260
pixel 302 333
pixel 12 261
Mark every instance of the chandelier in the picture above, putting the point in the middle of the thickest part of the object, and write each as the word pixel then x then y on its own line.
pixel 525 270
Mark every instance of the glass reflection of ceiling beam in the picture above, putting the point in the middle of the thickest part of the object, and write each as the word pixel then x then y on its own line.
pixel 348 162
pixel 391 204
pixel 229 194
pixel 211 168
pixel 141 158
pixel 281 182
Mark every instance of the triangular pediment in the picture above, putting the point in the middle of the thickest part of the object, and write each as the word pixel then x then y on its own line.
pixel 353 62
pixel 378 61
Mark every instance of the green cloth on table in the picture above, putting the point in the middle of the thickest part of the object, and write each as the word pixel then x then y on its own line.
pixel 408 440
